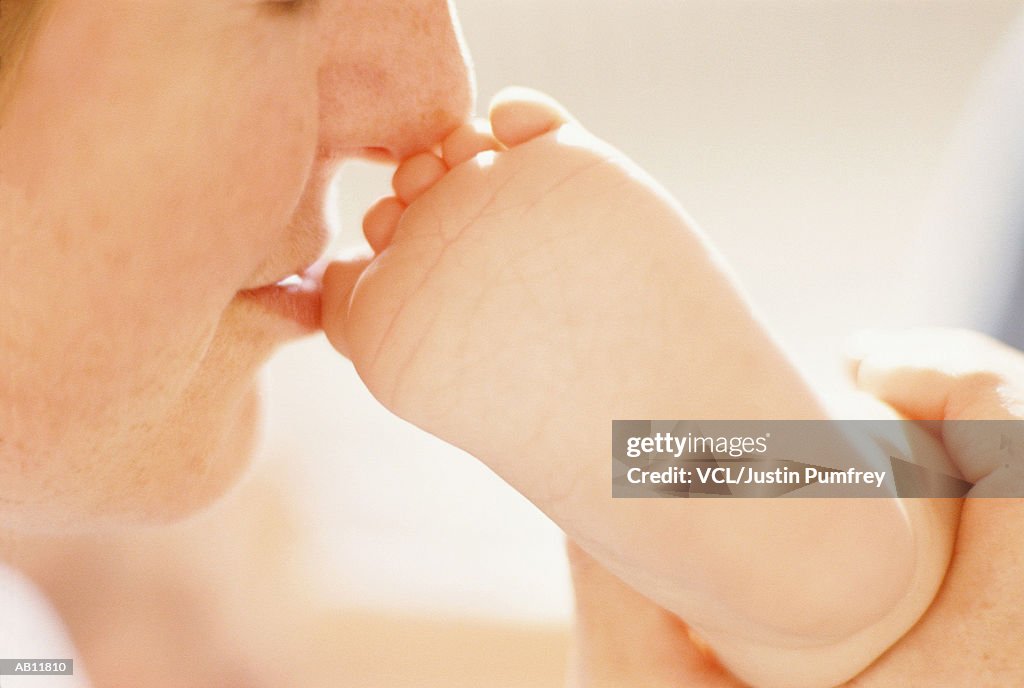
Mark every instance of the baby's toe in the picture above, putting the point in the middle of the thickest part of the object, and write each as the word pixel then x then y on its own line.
pixel 416 175
pixel 380 222
pixel 520 114
pixel 465 142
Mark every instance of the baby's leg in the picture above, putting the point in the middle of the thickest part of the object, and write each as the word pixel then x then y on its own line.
pixel 525 298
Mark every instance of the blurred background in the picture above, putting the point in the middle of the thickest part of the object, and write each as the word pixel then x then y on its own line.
pixel 812 141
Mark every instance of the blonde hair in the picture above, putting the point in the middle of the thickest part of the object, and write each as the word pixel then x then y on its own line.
pixel 18 21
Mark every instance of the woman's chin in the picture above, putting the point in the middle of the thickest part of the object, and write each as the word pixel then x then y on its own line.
pixel 218 463
pixel 203 445
pixel 169 474
pixel 173 451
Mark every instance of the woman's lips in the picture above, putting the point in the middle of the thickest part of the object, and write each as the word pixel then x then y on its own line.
pixel 296 298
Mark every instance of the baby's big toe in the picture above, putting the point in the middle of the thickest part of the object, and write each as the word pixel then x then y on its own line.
pixel 520 114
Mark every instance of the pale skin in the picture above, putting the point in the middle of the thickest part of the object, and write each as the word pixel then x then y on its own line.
pixel 133 372
pixel 227 599
pixel 548 256
pixel 209 129
pixel 970 636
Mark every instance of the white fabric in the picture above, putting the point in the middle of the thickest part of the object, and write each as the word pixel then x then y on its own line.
pixel 31 629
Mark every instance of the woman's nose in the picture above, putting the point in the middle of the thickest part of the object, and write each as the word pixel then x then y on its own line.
pixel 394 75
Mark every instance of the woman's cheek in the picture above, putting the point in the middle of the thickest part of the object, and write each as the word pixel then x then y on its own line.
pixel 135 263
pixel 167 174
pixel 215 118
pixel 272 106
pixel 246 167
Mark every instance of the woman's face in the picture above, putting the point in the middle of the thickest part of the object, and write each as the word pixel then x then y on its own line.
pixel 159 158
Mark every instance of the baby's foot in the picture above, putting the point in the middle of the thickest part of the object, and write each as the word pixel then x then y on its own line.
pixel 531 284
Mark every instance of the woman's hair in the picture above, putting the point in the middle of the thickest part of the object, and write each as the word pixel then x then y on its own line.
pixel 18 20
